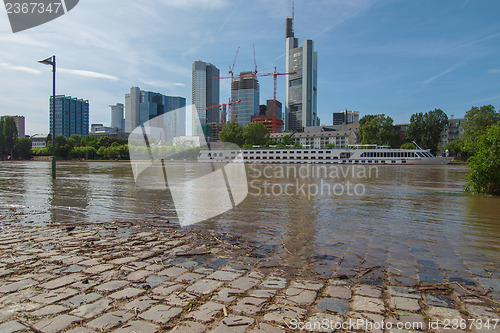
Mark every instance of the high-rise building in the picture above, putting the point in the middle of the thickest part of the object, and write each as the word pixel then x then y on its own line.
pixel 246 89
pixel 117 119
pixel 301 90
pixel 19 120
pixel 205 92
pixel 345 117
pixel 142 106
pixel 72 116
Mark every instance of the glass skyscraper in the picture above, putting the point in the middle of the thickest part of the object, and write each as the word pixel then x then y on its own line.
pixel 246 89
pixel 205 90
pixel 72 116
pixel 301 92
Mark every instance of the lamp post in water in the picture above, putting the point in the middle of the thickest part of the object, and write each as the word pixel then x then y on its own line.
pixel 52 61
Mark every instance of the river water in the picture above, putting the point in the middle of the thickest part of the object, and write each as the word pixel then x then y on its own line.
pixel 412 219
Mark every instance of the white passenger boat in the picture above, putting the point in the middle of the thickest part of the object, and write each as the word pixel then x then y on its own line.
pixel 357 154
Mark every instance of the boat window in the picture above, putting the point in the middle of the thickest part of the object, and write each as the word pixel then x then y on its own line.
pixel 321 152
pixel 420 154
pixel 369 161
pixel 403 161
pixel 393 161
pixel 320 157
pixel 252 152
pixel 382 162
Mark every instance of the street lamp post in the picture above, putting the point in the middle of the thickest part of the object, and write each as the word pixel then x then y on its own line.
pixel 52 61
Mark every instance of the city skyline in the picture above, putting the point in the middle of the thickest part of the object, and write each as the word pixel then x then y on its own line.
pixel 376 57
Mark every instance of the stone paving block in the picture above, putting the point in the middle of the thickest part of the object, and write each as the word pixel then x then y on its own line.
pixel 189 277
pixel 56 324
pixel 112 285
pixel 54 296
pixel 138 326
pixel 340 282
pixel 11 287
pixel 307 284
pixel 369 304
pixel 223 276
pixel 121 261
pixel 274 282
pixel 266 328
pixel 439 313
pixel 189 264
pixel 72 269
pixel 481 312
pixel 81 330
pixel 204 270
pixel 335 305
pixel 206 312
pixel 227 295
pixel 139 304
pixel 179 299
pixel 155 267
pixel 249 305
pixel 366 322
pixel 160 313
pixel 91 310
pixel 338 292
pixel 110 320
pixel 204 286
pixel 234 324
pixel 90 262
pixel 405 304
pixel 98 269
pixel 83 285
pixel 244 283
pixel 63 281
pixel 404 292
pixel 173 271
pixel 127 293
pixel 139 276
pixel 12 326
pixel 167 288
pixel 295 296
pixel 413 320
pixel 189 327
pixel 283 313
pixel 263 293
pixel 48 310
pixel 322 322
pixel 368 291
pixel 78 300
pixel 155 280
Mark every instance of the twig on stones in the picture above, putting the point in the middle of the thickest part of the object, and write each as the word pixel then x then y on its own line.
pixel 31 327
pixel 284 246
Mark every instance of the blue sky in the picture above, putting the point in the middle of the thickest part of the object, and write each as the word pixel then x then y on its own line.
pixel 376 56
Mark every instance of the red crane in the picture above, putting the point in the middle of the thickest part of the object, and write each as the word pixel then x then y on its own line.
pixel 275 75
pixel 221 105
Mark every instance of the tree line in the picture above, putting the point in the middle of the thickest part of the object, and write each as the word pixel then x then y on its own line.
pixel 88 147
pixel 12 147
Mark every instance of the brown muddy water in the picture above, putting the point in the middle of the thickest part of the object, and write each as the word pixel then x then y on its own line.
pixel 411 219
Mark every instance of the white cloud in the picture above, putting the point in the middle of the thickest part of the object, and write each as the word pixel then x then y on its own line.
pixel 162 84
pixel 20 68
pixel 90 74
pixel 494 71
pixel 447 71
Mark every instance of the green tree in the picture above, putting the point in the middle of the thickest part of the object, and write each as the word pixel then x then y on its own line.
pixel 454 147
pixel 476 122
pixel 408 145
pixel 287 140
pixel 426 128
pixel 256 134
pixel 377 129
pixel 232 132
pixel 102 152
pixel 330 145
pixel 9 135
pixel 63 148
pixel 22 148
pixel 484 176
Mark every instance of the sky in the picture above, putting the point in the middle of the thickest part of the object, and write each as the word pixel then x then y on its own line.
pixel 394 57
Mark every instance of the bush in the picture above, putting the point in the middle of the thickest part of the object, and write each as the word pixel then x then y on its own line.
pixel 484 176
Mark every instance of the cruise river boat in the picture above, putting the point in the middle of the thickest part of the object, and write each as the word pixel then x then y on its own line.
pixel 357 154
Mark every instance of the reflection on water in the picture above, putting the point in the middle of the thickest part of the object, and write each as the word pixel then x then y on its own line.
pixel 407 214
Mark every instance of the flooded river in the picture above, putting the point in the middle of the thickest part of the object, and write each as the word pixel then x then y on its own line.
pixel 412 219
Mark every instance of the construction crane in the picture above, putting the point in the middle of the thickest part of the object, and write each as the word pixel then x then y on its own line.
pixel 250 75
pixel 231 69
pixel 222 105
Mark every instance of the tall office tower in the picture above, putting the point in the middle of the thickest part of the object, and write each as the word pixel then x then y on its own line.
pixel 205 90
pixel 345 117
pixel 301 91
pixel 19 121
pixel 72 116
pixel 246 89
pixel 117 119
pixel 142 106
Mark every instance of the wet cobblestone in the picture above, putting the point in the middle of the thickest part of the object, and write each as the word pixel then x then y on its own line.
pixel 93 279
